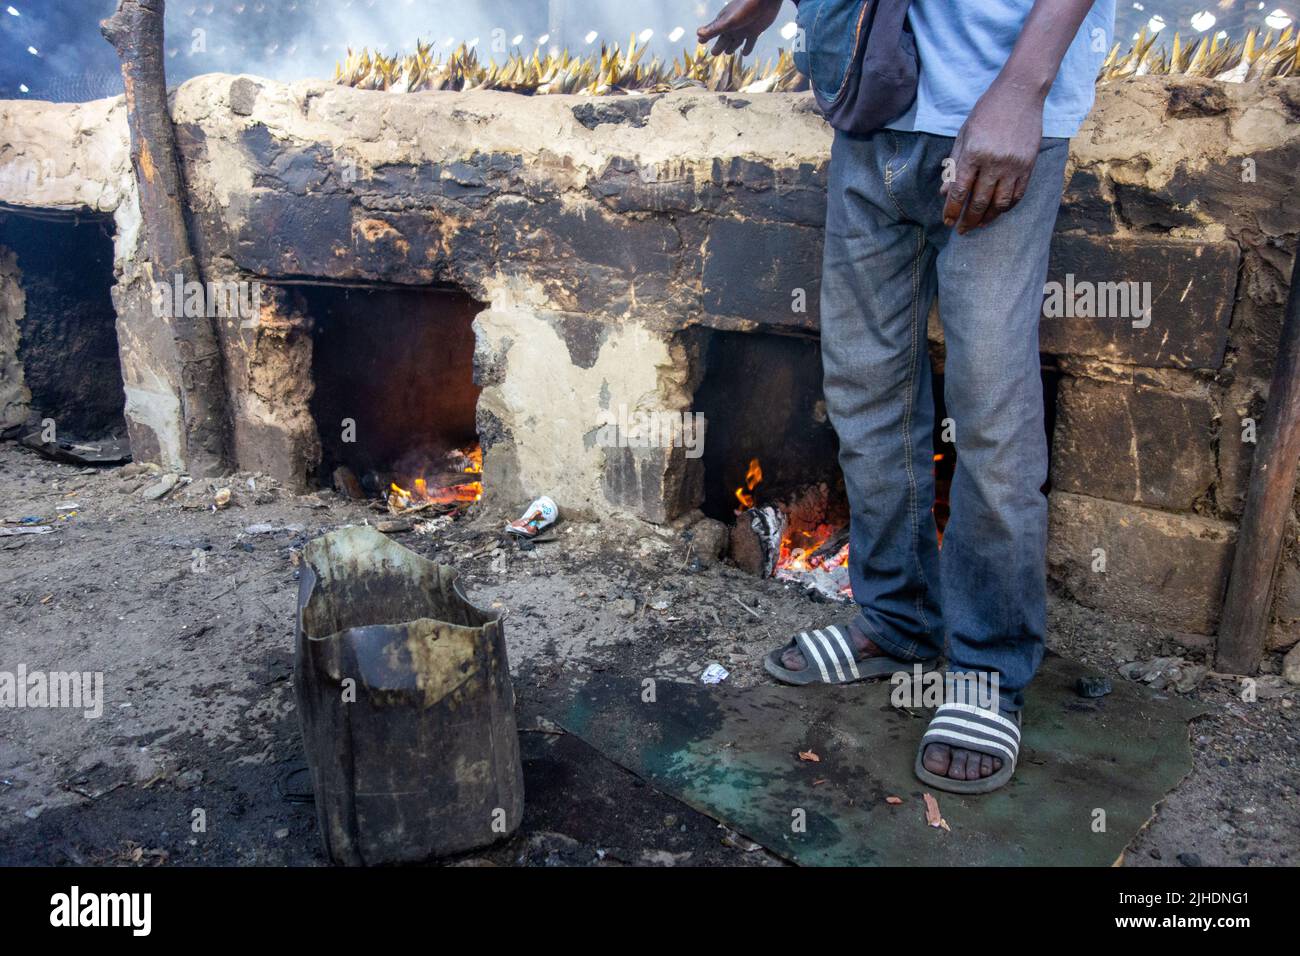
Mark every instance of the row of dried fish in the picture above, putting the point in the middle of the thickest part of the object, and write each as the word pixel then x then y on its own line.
pixel 612 70
pixel 1217 57
pixel 615 70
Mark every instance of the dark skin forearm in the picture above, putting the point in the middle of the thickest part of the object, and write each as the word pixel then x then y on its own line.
pixel 1047 34
pixel 995 151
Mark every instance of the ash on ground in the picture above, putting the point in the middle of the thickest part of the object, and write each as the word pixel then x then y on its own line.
pixel 187 608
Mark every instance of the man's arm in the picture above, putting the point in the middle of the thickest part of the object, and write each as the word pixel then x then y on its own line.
pixel 998 144
pixel 740 22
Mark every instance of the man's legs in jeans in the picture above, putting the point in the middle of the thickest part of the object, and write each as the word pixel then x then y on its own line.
pixel 878 281
pixel 887 251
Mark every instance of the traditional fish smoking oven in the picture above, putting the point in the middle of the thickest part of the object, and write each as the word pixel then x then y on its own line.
pixel 445 275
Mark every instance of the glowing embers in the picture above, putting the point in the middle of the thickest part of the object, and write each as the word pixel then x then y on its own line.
pixel 945 463
pixel 451 484
pixel 394 396
pixel 801 536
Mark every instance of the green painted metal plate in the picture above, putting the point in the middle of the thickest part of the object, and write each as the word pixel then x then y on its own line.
pixel 733 753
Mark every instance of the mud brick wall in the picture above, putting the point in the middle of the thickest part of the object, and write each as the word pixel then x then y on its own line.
pixel 1192 187
pixel 596 234
pixel 601 236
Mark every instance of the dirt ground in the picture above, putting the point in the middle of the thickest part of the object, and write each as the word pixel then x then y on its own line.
pixel 197 660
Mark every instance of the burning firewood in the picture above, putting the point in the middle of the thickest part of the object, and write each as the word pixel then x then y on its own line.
pixel 456 486
pixel 796 537
pixel 831 547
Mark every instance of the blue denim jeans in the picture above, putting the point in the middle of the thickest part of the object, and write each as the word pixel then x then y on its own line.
pixel 887 254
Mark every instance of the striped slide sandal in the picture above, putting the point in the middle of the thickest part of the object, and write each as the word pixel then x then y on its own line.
pixel 829 656
pixel 975 729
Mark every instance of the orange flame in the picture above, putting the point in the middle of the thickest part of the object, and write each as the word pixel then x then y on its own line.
pixel 475 464
pixel 745 493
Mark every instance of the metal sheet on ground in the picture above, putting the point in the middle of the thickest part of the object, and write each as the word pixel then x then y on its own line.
pixel 734 754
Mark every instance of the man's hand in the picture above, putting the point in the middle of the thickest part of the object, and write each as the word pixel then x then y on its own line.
pixel 740 22
pixel 993 157
pixel 998 144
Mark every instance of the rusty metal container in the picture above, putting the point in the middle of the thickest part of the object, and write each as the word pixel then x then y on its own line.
pixel 405 703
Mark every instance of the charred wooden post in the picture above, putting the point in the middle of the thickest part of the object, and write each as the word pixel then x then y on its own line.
pixel 1268 503
pixel 136 32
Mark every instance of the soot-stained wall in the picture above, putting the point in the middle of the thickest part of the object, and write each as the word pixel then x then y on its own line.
pixel 67 347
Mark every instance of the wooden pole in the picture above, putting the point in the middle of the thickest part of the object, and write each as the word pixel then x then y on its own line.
pixel 136 32
pixel 1268 504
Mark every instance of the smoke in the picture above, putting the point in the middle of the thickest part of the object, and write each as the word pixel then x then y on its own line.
pixel 54 50
pixel 294 39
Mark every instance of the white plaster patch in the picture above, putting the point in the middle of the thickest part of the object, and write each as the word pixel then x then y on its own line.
pixel 551 405
pixel 158 409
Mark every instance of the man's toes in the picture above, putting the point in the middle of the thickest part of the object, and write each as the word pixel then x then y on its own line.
pixel 936 759
pixel 957 769
pixel 958 764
